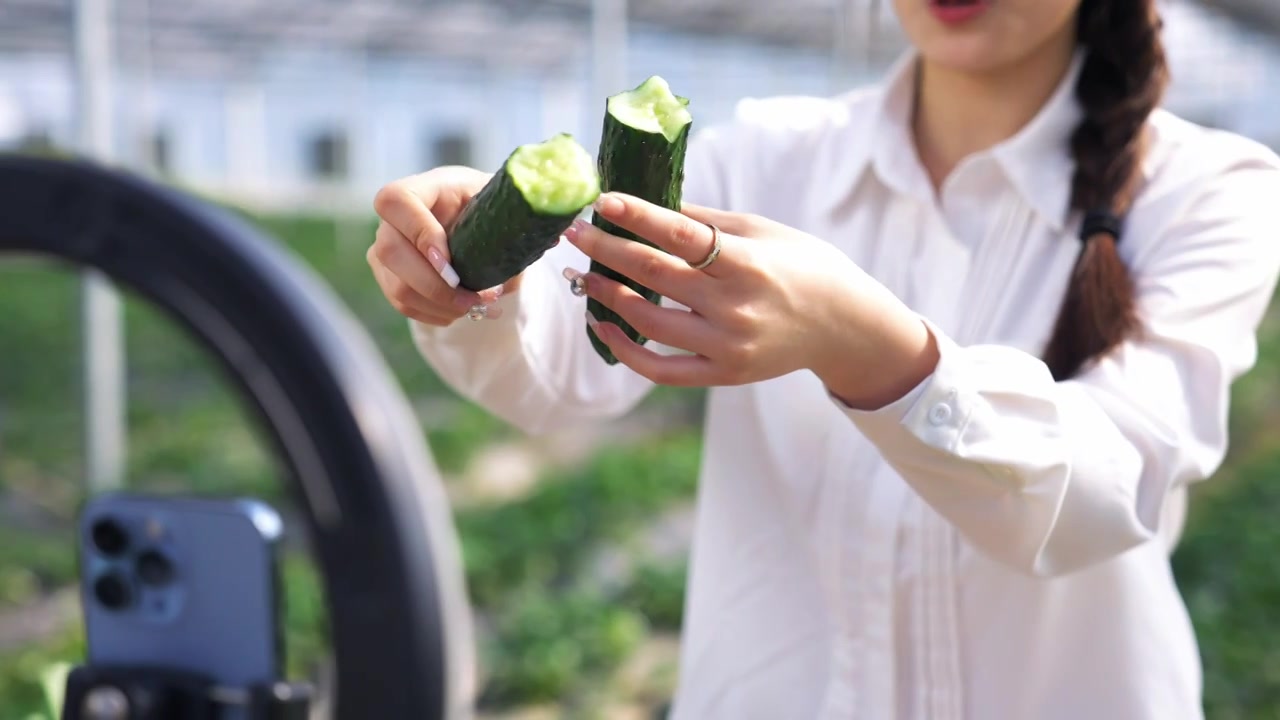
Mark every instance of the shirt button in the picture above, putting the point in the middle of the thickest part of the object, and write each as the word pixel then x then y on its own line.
pixel 939 414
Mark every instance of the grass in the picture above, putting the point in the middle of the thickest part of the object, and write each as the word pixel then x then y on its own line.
pixel 544 539
pixel 31 565
pixel 1227 570
pixel 558 631
pixel 22 673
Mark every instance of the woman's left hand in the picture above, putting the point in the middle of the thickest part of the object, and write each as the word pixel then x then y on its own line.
pixel 774 301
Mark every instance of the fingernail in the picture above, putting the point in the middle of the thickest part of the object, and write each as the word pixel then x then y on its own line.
pixel 608 205
pixel 445 269
pixel 577 282
pixel 592 322
pixel 574 230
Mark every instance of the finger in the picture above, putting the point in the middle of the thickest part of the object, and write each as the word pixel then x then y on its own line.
pixel 405 299
pixel 681 236
pixel 671 327
pixel 414 306
pixel 408 303
pixel 652 268
pixel 407 208
pixel 677 370
pixel 420 187
pixel 396 253
pixel 734 223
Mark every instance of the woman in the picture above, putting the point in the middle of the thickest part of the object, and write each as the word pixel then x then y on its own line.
pixel 972 333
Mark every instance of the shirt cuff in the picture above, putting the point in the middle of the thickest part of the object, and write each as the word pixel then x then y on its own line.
pixel 471 352
pixel 935 411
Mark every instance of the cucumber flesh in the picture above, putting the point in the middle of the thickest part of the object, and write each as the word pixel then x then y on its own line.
pixel 556 177
pixel 652 108
pixel 522 211
pixel 642 153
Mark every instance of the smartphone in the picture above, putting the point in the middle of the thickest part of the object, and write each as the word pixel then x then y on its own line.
pixel 183 583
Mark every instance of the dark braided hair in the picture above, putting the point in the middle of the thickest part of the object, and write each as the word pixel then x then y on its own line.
pixel 1122 80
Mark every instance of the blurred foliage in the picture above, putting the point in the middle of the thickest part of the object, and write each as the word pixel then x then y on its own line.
pixel 1227 569
pixel 466 429
pixel 549 645
pixel 31 565
pixel 553 631
pixel 544 539
pixel 23 695
pixel 657 592
pixel 557 633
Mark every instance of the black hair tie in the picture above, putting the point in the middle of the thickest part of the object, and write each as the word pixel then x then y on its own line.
pixel 1100 221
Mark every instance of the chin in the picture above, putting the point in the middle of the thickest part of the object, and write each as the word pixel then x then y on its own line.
pixel 964 54
pixel 983 36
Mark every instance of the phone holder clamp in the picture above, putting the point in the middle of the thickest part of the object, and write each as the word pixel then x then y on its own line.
pixel 143 693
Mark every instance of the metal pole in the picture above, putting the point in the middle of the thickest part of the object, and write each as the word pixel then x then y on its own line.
pixel 843 44
pixel 146 118
pixel 100 305
pixel 349 230
pixel 608 54
pixel 873 36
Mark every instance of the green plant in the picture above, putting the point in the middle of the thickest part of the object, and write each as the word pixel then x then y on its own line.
pixel 306 618
pixel 550 643
pixel 468 429
pixel 29 676
pixel 544 538
pixel 657 591
pixel 556 632
pixel 34 562
pixel 1226 570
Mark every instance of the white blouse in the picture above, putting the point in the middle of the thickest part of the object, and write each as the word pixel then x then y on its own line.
pixel 995 545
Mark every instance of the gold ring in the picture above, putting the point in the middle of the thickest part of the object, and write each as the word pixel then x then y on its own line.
pixel 715 249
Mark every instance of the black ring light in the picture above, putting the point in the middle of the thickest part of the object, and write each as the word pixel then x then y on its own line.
pixel 354 452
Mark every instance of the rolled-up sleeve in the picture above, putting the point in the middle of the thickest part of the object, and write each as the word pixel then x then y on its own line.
pixel 1050 477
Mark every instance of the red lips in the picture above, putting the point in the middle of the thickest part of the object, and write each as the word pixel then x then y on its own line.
pixel 957 12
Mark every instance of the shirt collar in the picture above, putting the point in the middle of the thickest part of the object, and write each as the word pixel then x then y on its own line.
pixel 1037 159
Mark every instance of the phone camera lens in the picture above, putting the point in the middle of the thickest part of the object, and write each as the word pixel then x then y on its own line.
pixel 154 569
pixel 113 592
pixel 109 537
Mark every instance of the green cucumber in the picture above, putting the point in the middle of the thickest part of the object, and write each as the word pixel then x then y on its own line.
pixel 642 153
pixel 522 211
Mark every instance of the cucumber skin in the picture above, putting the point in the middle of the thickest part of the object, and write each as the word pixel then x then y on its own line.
pixel 646 166
pixel 498 234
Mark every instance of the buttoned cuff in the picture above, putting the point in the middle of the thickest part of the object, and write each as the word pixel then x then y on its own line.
pixel 935 411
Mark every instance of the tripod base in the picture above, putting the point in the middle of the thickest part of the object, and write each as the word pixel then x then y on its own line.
pixel 139 693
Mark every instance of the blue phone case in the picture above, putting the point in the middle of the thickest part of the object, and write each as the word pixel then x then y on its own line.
pixel 183 583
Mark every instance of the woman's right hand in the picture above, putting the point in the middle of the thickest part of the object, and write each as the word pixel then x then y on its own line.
pixel 410 253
